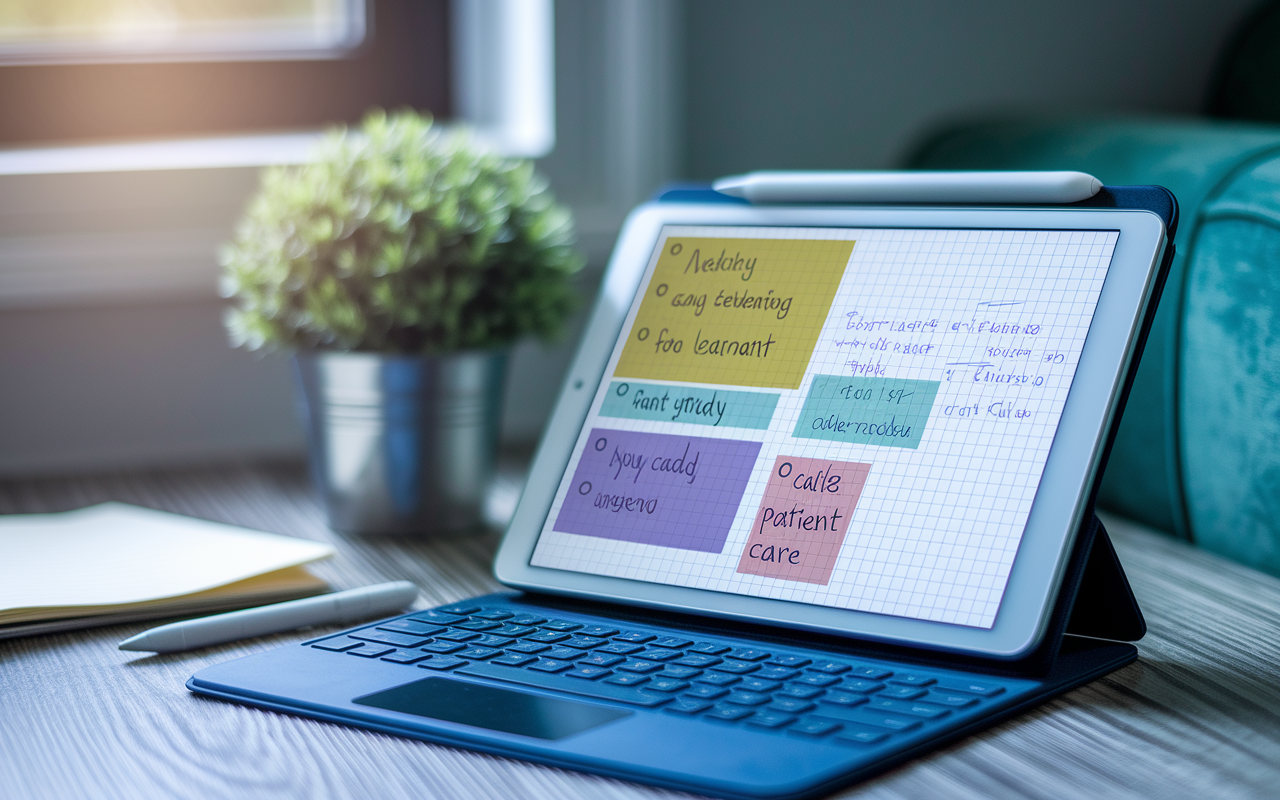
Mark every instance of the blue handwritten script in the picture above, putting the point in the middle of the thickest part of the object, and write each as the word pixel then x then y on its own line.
pixel 890 412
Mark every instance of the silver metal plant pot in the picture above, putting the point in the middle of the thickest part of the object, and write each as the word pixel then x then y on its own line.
pixel 401 444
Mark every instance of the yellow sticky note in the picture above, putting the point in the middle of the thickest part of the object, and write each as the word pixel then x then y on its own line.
pixel 742 312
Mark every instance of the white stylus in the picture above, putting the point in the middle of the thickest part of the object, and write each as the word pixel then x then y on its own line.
pixel 910 187
pixel 346 607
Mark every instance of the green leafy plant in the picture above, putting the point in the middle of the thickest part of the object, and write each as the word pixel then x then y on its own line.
pixel 400 238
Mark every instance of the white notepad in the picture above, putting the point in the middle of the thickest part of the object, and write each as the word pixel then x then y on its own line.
pixel 115 562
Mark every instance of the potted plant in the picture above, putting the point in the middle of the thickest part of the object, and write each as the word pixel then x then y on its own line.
pixel 398 267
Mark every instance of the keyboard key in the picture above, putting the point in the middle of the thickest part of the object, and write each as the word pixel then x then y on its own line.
pixel 551 665
pixel 972 687
pixel 513 659
pixel 660 684
pixel 477 625
pixel 582 642
pixel 443 647
pixel 707 648
pixel 493 614
pixel 747 698
pixel 902 693
pixel 907 679
pixel 527 619
pixel 547 637
pixel 411 626
pixel 815 726
pixel 800 690
pixel 790 661
pixel 791 705
pixel 507 629
pixel 706 692
pixel 587 672
pixel 370 650
pixel 771 672
pixel 621 648
pixel 659 654
pixel 829 667
pixel 682 673
pixel 601 689
pixel 747 654
pixel 487 640
pixel 633 637
pixel 529 647
pixel 861 735
pixel 602 660
pixel 697 660
pixel 389 637
pixel 717 679
pixel 458 636
pixel 771 719
pixel 671 641
pixel 736 667
pixel 846 699
pixel 870 673
pixel 339 644
pixel 437 616
pixel 687 705
pixel 634 665
pixel 729 713
pixel 626 679
pixel 597 630
pixel 859 685
pixel 406 656
pixel 459 608
pixel 889 721
pixel 817 679
pixel 443 663
pixel 922 710
pixel 754 684
pixel 952 699
pixel 560 626
pixel 479 653
pixel 562 653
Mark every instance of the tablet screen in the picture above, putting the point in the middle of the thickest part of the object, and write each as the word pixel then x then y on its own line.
pixel 853 418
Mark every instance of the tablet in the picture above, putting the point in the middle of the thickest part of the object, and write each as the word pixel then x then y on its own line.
pixel 879 423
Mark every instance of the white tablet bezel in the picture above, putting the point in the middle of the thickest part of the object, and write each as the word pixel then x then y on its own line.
pixel 1059 504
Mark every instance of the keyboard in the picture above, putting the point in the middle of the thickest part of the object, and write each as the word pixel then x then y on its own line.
pixel 791 691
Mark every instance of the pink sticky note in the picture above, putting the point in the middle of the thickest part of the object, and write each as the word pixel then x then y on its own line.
pixel 802 520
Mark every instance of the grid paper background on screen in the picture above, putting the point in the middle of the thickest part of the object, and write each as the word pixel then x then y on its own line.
pixel 943 361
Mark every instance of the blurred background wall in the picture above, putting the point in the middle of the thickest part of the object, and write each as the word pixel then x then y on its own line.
pixel 111 347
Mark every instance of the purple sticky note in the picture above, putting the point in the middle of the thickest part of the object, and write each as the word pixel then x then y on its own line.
pixel 653 488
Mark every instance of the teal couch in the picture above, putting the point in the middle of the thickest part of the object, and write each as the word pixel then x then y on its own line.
pixel 1198 450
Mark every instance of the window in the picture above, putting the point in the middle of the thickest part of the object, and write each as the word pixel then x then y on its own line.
pixel 74 70
pixel 97 31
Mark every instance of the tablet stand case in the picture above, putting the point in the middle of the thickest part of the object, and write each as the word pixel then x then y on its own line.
pixel 1095 615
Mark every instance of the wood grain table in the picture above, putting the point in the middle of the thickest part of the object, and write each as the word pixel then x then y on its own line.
pixel 1198 715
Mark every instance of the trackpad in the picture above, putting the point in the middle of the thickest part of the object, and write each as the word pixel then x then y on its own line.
pixel 492 708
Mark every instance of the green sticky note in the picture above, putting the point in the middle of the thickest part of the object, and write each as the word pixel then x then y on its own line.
pixel 715 407
pixel 890 412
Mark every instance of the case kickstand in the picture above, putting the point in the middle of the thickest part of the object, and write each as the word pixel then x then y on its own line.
pixel 1105 607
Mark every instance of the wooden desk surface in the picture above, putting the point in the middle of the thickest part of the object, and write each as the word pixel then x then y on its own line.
pixel 1197 716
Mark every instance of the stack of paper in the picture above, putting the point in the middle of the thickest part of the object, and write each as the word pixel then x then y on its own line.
pixel 114 563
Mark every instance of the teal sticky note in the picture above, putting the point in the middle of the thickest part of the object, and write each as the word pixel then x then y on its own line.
pixel 715 407
pixel 890 412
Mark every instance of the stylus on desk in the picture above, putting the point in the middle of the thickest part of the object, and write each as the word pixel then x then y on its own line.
pixel 910 187
pixel 352 605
